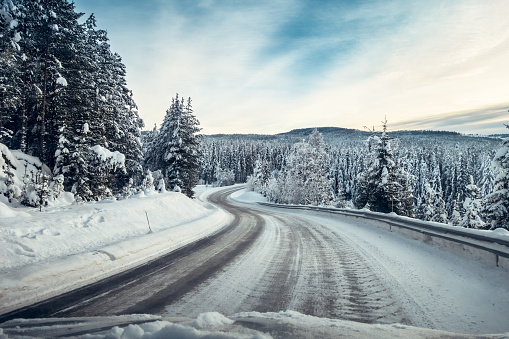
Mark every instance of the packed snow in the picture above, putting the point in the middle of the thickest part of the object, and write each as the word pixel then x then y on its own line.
pixel 441 285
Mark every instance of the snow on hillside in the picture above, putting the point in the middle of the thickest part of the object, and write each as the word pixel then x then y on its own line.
pixel 63 247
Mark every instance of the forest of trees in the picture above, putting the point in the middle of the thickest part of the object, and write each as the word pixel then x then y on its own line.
pixel 64 100
pixel 436 176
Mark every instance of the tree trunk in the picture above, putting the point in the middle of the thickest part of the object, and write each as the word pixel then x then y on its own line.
pixel 43 113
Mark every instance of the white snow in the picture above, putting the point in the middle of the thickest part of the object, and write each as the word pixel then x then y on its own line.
pixel 210 320
pixel 8 212
pixel 442 288
pixel 17 37
pixel 61 81
pixel 13 23
pixel 106 155
pixel 246 196
pixel 61 248
pixel 252 325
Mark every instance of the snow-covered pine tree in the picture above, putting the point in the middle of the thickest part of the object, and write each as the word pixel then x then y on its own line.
pixel 440 210
pixel 473 207
pixel 9 68
pixel 176 148
pixel 384 186
pixel 261 176
pixel 496 204
pixel 305 177
pixel 427 208
pixel 456 217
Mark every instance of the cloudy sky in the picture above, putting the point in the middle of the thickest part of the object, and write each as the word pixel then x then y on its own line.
pixel 268 66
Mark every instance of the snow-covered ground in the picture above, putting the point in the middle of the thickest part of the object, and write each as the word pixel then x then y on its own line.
pixel 247 325
pixel 71 245
pixel 64 247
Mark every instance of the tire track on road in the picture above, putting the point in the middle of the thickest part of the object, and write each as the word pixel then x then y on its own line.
pixel 149 287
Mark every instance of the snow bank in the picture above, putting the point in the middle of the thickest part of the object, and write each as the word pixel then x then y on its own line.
pixel 61 248
pixel 246 196
pixel 211 320
pixel 7 212
pixel 285 324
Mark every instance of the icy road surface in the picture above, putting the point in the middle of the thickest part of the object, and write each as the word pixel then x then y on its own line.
pixel 270 260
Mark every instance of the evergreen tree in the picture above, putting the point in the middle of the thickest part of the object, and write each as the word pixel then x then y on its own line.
pixel 427 208
pixel 304 179
pixel 176 148
pixel 456 217
pixel 472 206
pixel 384 186
pixel 496 204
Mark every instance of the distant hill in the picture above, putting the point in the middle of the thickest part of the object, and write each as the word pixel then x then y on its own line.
pixel 339 133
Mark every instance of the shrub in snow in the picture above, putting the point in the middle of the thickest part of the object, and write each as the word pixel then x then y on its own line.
pixel 148 181
pixel 224 177
pixel 23 179
pixel 304 180
pixel 159 183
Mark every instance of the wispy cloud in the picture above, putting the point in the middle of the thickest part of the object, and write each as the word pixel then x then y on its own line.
pixel 483 121
pixel 269 66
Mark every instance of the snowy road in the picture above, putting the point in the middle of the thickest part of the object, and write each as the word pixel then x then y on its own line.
pixel 271 260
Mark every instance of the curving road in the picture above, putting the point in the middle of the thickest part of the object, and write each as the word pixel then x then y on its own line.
pixel 316 264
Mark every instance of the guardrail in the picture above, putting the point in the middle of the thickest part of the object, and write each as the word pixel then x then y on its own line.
pixel 468 239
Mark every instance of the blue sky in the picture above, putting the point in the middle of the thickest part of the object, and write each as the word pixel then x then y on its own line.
pixel 267 66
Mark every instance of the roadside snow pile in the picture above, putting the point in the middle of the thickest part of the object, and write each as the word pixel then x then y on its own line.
pixel 7 212
pixel 211 320
pixel 61 248
pixel 290 324
pixel 246 196
pixel 246 325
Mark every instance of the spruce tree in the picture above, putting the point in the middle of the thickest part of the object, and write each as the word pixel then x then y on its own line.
pixel 305 178
pixel 472 206
pixel 384 186
pixel 176 148
pixel 496 204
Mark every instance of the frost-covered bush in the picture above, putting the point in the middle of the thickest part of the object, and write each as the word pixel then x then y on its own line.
pixel 224 177
pixel 24 179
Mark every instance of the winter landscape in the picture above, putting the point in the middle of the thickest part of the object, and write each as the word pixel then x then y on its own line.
pixel 112 229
